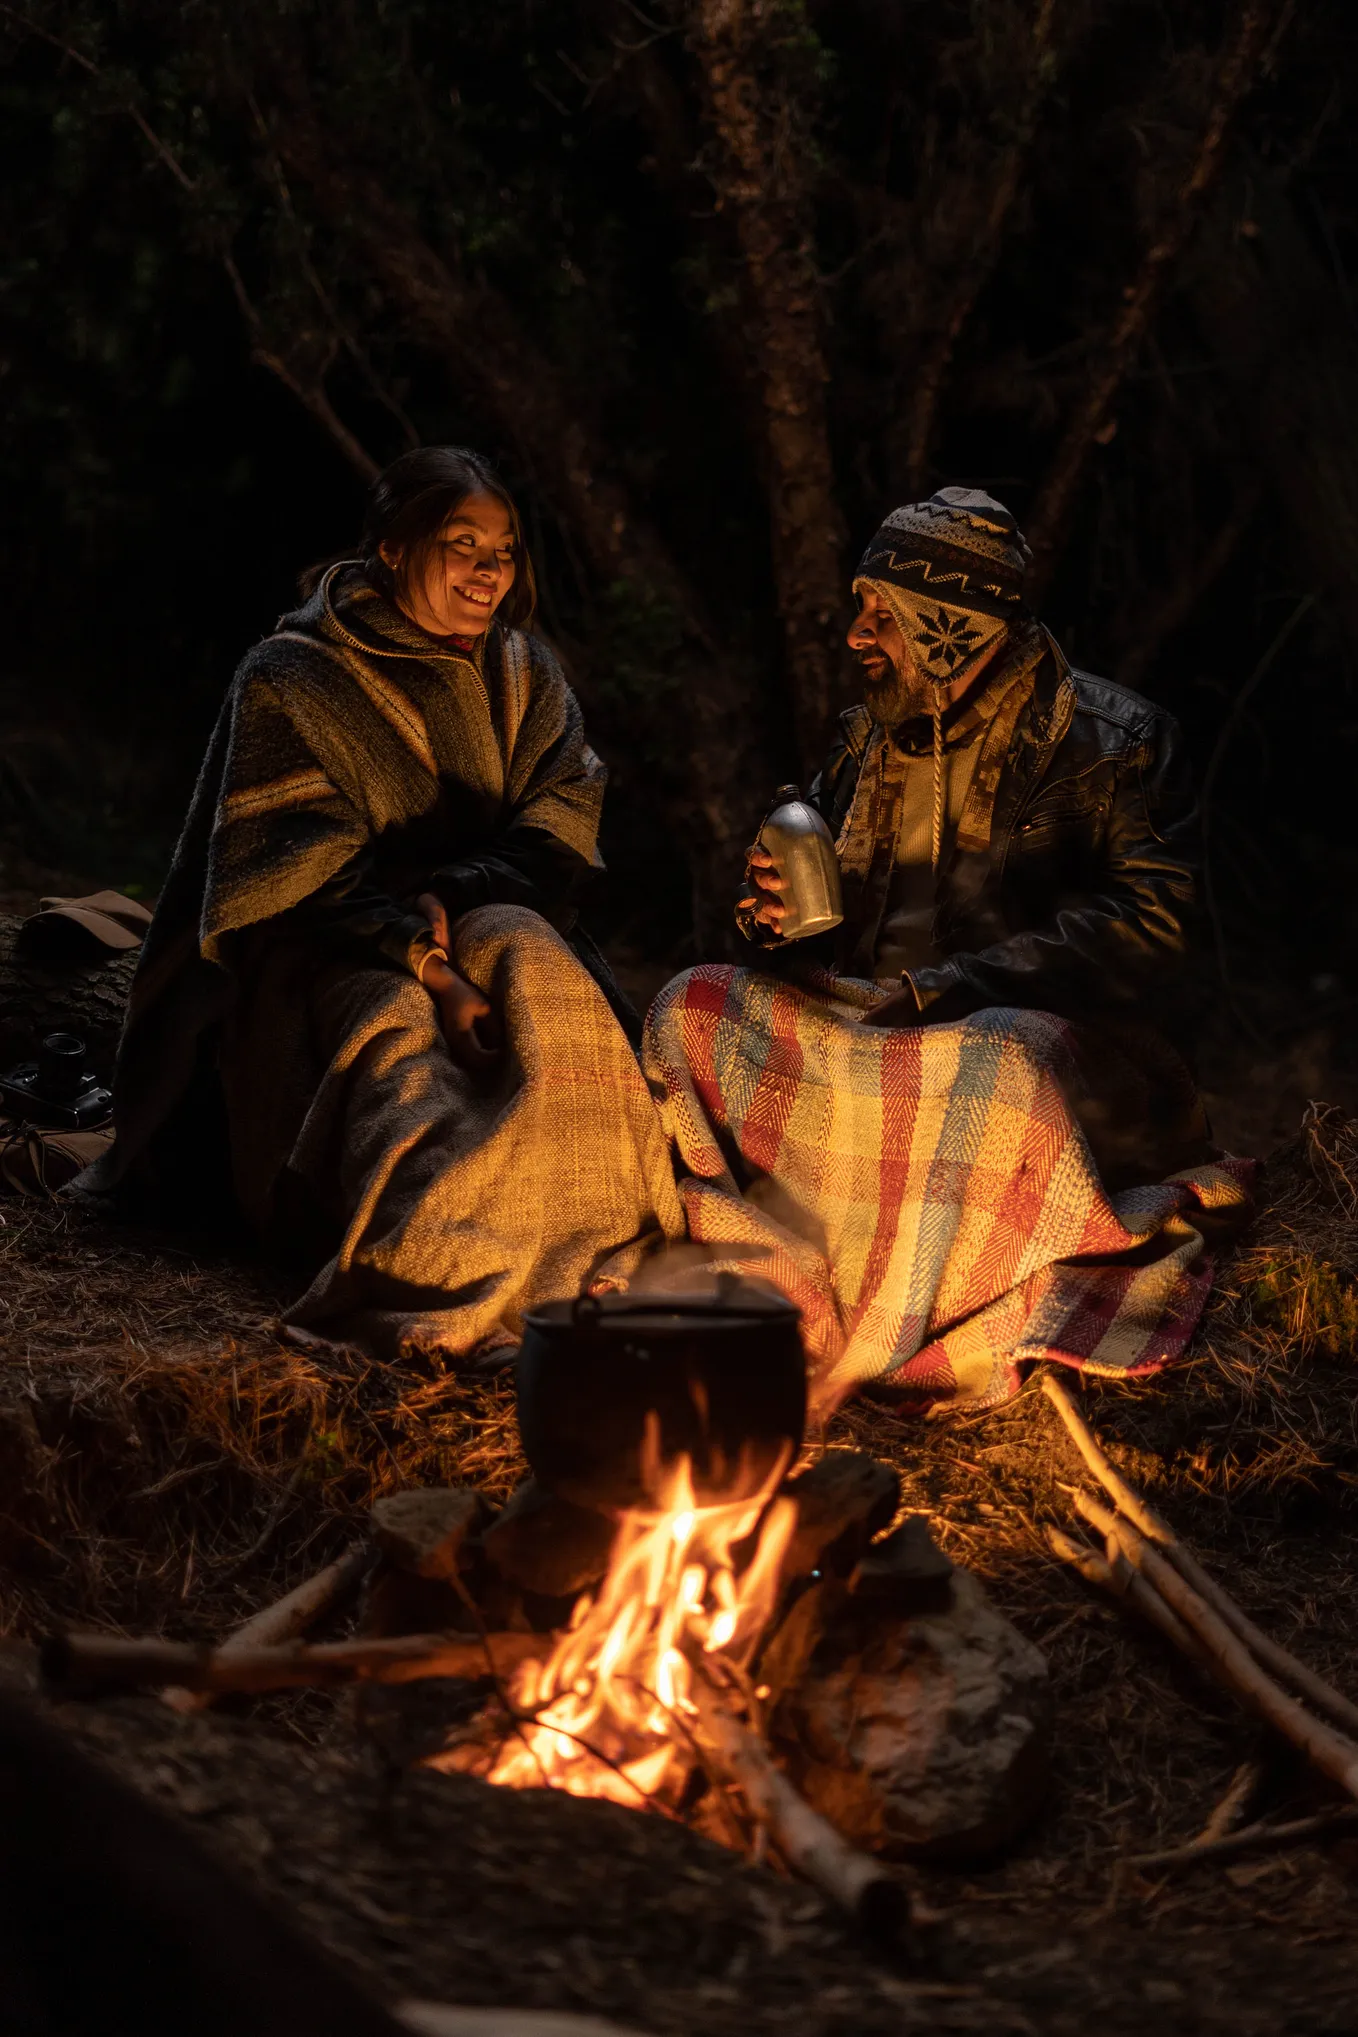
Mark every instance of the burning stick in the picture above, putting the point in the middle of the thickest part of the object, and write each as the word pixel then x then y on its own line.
pixel 872 1896
pixel 1323 1696
pixel 72 1663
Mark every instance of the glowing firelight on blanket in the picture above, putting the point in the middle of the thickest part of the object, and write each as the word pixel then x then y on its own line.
pixel 616 1684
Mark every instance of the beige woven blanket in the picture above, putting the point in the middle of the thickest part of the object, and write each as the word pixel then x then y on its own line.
pixel 464 1201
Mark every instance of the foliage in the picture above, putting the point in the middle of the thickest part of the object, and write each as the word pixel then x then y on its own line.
pixel 250 247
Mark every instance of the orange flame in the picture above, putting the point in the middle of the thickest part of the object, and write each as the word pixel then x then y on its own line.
pixel 607 1704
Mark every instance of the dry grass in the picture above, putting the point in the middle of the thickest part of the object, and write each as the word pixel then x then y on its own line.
pixel 191 1462
pixel 194 1465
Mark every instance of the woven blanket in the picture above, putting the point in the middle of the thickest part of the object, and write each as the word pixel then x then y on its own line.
pixel 464 1200
pixel 926 1196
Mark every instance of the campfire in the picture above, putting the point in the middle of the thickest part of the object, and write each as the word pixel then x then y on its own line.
pixel 610 1709
pixel 637 1621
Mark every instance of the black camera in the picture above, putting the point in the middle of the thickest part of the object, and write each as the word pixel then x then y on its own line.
pixel 59 1088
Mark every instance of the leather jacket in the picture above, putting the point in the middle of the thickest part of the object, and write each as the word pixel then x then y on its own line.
pixel 1081 900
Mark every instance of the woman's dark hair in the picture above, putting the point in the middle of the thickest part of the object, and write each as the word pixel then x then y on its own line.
pixel 410 504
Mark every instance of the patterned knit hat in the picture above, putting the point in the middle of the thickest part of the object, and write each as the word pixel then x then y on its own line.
pixel 951 570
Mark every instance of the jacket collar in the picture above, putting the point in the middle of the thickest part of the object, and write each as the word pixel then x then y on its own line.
pixel 348 609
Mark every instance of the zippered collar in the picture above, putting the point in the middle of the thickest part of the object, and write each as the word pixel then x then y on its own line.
pixel 347 607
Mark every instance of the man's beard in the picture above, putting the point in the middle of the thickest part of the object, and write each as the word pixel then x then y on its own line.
pixel 892 697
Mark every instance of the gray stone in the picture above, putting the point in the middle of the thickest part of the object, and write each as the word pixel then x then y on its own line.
pixel 422 1530
pixel 925 1737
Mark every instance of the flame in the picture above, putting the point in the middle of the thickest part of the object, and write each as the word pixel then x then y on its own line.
pixel 603 1714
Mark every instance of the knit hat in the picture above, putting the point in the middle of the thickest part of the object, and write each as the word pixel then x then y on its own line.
pixel 951 570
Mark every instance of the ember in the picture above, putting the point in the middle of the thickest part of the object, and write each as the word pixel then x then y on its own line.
pixel 610 1702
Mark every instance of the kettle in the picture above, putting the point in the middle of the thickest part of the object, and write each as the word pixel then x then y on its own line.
pixel 802 847
pixel 721 1376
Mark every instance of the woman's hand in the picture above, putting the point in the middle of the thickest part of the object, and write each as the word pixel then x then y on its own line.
pixel 466 1016
pixel 465 1013
pixel 766 896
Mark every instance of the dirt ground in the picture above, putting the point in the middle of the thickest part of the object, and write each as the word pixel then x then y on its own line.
pixel 168 1465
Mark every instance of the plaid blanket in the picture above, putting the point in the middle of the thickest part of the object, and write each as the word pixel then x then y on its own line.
pixel 927 1196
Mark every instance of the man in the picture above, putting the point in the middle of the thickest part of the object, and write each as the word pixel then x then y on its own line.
pixel 1010 831
pixel 949 1129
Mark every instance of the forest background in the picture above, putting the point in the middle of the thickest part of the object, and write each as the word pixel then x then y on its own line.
pixel 716 283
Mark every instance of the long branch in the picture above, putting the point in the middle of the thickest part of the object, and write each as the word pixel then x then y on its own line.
pixel 1048 520
pixel 982 252
pixel 1332 1704
pixel 1330 1751
pixel 73 1663
pixel 310 394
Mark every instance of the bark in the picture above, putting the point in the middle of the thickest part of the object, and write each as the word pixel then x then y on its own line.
pixel 1271 313
pixel 38 998
pixel 1238 72
pixel 760 172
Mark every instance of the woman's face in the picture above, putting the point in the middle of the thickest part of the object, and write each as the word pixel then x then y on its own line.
pixel 468 572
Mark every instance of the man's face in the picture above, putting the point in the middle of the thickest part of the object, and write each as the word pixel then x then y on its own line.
pixel 893 687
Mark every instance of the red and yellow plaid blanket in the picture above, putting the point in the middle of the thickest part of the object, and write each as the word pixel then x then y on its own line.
pixel 926 1196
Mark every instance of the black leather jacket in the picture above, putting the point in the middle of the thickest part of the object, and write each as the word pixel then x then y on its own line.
pixel 1082 901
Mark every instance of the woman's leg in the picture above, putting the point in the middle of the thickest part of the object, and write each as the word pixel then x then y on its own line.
pixel 466 1199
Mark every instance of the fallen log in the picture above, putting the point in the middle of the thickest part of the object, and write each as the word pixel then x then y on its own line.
pixel 874 1897
pixel 1283 1665
pixel 74 1665
pixel 40 997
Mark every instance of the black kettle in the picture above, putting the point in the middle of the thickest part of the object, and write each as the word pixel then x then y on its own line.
pixel 723 1374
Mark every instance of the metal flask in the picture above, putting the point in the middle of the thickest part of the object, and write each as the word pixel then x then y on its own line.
pixel 802 847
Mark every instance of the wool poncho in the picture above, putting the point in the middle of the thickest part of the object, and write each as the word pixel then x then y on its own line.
pixel 356 762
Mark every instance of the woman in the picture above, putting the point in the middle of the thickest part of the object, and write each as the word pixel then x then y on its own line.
pixel 364 1005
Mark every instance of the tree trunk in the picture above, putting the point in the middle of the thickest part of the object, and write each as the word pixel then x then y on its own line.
pixel 45 997
pixel 761 181
pixel 1270 311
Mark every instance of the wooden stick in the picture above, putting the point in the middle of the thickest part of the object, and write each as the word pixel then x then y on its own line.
pixel 1226 1814
pixel 1331 1752
pixel 73 1664
pixel 1251 1839
pixel 863 1887
pixel 1283 1665
pixel 285 1620
pixel 1115 1574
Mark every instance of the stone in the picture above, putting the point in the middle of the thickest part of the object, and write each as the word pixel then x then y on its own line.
pixel 843 1500
pixel 547 1545
pixel 422 1531
pixel 925 1737
pixel 906 1571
